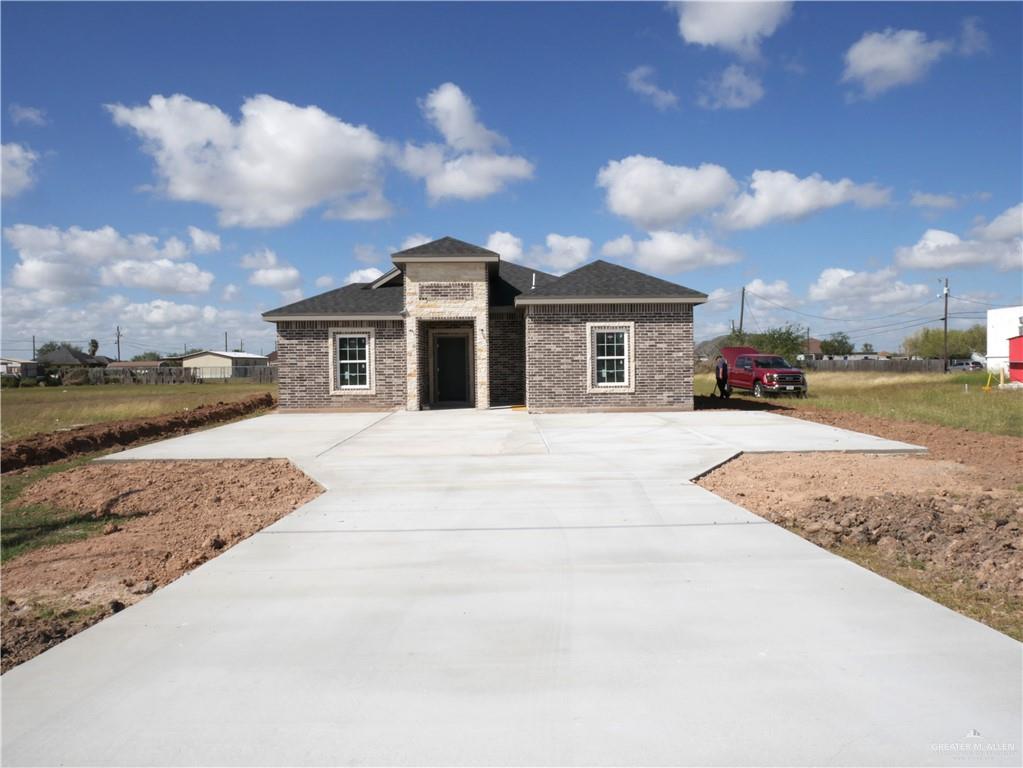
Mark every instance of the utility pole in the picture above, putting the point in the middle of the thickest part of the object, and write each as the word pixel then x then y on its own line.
pixel 241 345
pixel 33 347
pixel 807 342
pixel 946 325
pixel 225 341
pixel 118 342
pixel 742 309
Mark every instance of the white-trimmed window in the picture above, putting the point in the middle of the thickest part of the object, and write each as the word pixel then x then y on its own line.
pixel 611 357
pixel 352 355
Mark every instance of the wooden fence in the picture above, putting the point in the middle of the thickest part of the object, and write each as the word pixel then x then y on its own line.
pixel 239 374
pixel 875 366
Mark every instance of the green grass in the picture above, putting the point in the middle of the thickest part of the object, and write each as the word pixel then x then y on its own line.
pixel 28 411
pixel 952 400
pixel 29 527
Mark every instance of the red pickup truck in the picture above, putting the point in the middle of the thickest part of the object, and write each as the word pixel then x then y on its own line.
pixel 761 374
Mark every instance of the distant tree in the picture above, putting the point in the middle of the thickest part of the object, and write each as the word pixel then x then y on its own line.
pixel 53 346
pixel 837 344
pixel 147 356
pixel 930 342
pixel 93 347
pixel 868 348
pixel 786 340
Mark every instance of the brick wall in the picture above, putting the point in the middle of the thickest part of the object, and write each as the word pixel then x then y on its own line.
pixel 507 358
pixel 304 360
pixel 445 292
pixel 556 356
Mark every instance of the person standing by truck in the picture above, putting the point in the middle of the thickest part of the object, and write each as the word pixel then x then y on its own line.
pixel 721 375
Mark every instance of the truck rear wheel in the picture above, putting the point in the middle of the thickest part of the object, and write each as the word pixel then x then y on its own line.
pixel 758 389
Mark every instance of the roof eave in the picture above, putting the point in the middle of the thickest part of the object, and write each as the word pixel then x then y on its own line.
pixel 442 258
pixel 272 318
pixel 528 300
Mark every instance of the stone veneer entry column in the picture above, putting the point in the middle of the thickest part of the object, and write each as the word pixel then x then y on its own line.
pixel 446 291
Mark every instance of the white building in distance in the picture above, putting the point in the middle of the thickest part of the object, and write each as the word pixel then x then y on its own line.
pixel 1002 325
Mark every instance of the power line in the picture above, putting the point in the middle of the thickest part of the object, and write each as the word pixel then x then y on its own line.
pixel 843 319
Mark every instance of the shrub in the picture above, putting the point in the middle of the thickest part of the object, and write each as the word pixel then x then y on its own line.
pixel 28 381
pixel 9 380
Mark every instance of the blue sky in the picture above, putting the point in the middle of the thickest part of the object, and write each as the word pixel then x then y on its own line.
pixel 176 169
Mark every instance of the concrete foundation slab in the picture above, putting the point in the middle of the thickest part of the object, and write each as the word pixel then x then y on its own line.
pixel 491 588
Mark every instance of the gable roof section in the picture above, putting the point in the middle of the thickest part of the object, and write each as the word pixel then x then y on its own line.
pixel 355 299
pixel 446 248
pixel 600 281
pixel 68 356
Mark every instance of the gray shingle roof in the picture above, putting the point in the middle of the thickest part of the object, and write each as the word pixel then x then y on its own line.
pixel 512 280
pixel 354 299
pixel 603 280
pixel 446 246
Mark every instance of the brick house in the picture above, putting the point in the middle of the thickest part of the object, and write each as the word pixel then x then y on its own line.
pixel 451 324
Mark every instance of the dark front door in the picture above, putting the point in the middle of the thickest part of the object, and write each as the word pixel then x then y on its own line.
pixel 452 359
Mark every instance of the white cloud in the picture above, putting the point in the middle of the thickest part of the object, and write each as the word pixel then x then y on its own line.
pixel 22 114
pixel 261 259
pixel 1005 226
pixel 161 275
pixel 845 289
pixel 783 195
pixel 778 290
pixel 973 39
pixel 267 169
pixel 203 241
pixel 16 174
pixel 928 200
pixel 506 244
pixel 325 281
pixel 76 260
pixel 938 249
pixel 737 27
pixel 653 194
pixel 291 295
pixel 735 88
pixel 463 177
pixel 367 275
pixel 452 113
pixel 640 80
pixel 880 61
pixel 161 313
pixel 230 292
pixel 413 240
pixel 563 252
pixel 282 278
pixel 671 252
pixel 466 167
pixel 620 246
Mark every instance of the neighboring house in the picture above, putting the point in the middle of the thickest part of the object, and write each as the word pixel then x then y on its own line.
pixel 1002 325
pixel 15 367
pixel 65 357
pixel 452 324
pixel 221 365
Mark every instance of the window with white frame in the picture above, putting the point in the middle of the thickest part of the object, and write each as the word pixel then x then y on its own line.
pixel 611 357
pixel 352 351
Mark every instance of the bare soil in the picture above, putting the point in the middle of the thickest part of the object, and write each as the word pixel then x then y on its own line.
pixel 55 446
pixel 948 524
pixel 175 516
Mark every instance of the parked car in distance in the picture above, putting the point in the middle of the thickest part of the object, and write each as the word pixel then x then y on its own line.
pixel 964 365
pixel 761 374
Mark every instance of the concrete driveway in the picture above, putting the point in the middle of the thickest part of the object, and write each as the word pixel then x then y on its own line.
pixel 494 588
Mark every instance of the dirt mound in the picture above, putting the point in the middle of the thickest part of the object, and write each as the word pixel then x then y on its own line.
pixel 942 520
pixel 170 516
pixel 54 446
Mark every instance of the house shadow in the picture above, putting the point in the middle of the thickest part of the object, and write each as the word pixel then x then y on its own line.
pixel 711 403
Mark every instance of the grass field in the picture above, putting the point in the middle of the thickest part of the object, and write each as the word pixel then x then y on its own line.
pixel 951 400
pixel 28 411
